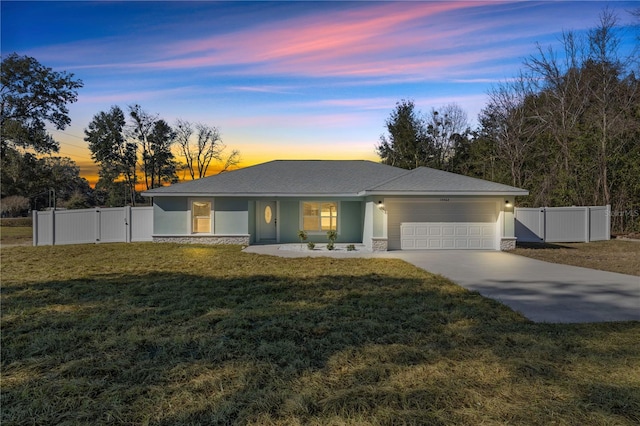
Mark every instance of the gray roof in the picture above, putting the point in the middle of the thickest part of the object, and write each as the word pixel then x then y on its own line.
pixel 426 180
pixel 331 177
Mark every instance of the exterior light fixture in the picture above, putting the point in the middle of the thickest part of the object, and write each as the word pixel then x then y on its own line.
pixel 381 206
pixel 507 204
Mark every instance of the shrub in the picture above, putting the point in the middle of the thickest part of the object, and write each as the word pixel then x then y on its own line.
pixel 311 245
pixel 14 205
pixel 351 247
pixel 331 235
pixel 302 235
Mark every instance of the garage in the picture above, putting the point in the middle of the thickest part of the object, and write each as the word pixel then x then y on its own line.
pixel 443 223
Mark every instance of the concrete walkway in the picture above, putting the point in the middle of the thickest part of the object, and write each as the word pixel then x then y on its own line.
pixel 541 291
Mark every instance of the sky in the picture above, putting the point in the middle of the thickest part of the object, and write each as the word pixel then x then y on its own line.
pixel 286 80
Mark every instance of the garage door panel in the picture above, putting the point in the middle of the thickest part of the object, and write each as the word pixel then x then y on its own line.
pixel 434 231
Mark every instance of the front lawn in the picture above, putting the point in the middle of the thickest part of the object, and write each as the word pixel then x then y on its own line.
pixel 168 334
pixel 613 255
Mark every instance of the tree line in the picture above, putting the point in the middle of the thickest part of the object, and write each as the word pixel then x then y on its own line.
pixel 566 128
pixel 133 150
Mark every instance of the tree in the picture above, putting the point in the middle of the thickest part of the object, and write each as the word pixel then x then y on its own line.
pixel 505 120
pixel 432 140
pixel 32 95
pixel 613 98
pixel 405 144
pixel 116 156
pixel 140 129
pixel 14 205
pixel 32 177
pixel 447 131
pixel 568 129
pixel 160 164
pixel 208 146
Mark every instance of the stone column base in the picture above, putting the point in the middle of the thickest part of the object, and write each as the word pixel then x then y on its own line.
pixel 203 239
pixel 508 243
pixel 378 244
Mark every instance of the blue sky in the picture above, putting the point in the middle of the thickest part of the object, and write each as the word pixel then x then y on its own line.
pixel 285 80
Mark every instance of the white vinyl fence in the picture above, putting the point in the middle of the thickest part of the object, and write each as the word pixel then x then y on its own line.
pixel 563 224
pixel 112 225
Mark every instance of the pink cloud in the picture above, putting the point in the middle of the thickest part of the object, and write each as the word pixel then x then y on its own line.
pixel 365 42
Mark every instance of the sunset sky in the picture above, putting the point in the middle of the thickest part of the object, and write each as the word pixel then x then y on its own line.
pixel 286 80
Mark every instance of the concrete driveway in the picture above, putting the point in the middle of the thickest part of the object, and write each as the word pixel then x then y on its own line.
pixel 541 291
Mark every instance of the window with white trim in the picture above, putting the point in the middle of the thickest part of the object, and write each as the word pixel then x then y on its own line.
pixel 319 216
pixel 201 217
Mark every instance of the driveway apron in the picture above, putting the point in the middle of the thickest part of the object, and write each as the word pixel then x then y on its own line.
pixel 541 291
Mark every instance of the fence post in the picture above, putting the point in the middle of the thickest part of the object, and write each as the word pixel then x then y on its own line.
pixel 97 228
pixel 543 224
pixel 127 224
pixel 34 227
pixel 53 227
pixel 587 224
pixel 608 221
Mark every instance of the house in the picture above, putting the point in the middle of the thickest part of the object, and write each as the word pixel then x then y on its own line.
pixel 380 206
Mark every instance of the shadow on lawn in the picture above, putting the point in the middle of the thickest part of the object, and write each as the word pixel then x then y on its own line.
pixel 188 349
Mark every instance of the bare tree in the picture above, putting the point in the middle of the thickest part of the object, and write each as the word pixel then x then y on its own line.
pixel 559 106
pixel 505 117
pixel 200 144
pixel 612 99
pixel 443 126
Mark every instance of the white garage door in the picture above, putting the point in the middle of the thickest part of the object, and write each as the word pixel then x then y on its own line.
pixel 421 236
pixel 442 224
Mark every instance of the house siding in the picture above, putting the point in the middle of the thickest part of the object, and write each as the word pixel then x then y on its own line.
pixel 170 216
pixel 231 216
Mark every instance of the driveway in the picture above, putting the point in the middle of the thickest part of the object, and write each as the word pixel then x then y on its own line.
pixel 541 291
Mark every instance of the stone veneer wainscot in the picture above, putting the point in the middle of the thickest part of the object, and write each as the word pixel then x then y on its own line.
pixel 507 244
pixel 203 239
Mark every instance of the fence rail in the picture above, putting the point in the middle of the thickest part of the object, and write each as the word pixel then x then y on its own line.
pixel 111 225
pixel 563 224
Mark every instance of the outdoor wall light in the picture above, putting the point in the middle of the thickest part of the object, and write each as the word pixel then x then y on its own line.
pixel 507 204
pixel 381 206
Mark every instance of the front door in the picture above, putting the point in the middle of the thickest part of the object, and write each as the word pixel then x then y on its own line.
pixel 267 221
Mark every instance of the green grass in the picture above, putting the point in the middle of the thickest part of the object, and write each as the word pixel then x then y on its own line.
pixel 167 334
pixel 613 255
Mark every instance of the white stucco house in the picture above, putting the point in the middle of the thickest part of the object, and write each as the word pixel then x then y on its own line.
pixel 380 206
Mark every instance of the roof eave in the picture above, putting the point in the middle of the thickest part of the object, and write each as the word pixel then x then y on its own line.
pixel 519 192
pixel 248 194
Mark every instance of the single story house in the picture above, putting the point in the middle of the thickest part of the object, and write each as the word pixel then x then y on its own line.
pixel 380 206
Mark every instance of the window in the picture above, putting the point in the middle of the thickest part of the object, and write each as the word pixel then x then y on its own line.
pixel 319 216
pixel 201 215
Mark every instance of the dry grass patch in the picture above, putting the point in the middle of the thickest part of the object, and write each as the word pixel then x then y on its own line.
pixel 166 335
pixel 15 235
pixel 613 255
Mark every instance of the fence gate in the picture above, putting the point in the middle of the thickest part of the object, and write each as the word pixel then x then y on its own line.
pixel 563 224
